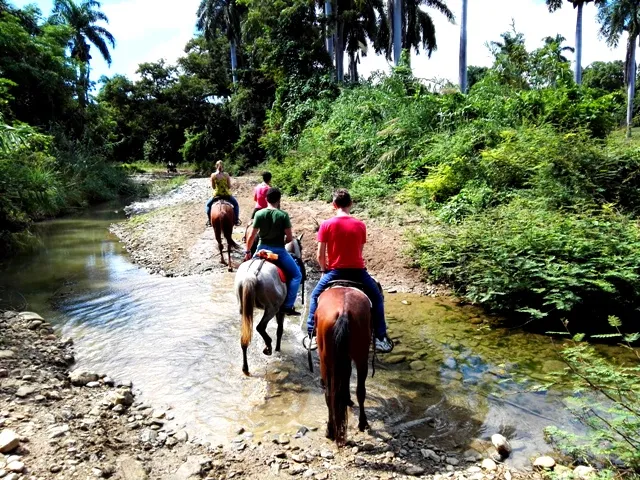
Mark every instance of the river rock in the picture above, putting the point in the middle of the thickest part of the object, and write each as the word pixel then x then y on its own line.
pixel 131 469
pixel 9 440
pixel 25 391
pixel 120 397
pixel 28 316
pixel 414 470
pixel 395 359
pixel 489 465
pixel 502 445
pixel 584 472
pixel 80 378
pixel 149 436
pixel 452 461
pixel 417 365
pixel 450 363
pixel 544 462
pixel 189 470
pixel 181 436
pixel 12 476
pixel 15 466
pixel 430 454
pixel 4 354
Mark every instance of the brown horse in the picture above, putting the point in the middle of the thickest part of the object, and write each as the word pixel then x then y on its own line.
pixel 222 220
pixel 343 324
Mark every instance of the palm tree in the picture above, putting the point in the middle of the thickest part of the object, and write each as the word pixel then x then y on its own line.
pixel 556 43
pixel 463 48
pixel 416 26
pixel 225 16
pixel 554 5
pixel 616 17
pixel 364 21
pixel 82 19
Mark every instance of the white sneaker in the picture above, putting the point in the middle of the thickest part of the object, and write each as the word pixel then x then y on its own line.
pixel 384 345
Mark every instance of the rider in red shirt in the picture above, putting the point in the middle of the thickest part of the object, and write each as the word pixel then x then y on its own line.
pixel 260 193
pixel 341 240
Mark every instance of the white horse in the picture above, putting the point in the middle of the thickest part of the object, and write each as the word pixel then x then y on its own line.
pixel 258 285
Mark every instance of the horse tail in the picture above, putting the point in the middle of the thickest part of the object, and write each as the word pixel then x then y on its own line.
pixel 339 378
pixel 249 286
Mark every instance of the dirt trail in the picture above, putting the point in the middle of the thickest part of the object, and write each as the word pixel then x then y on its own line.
pixel 172 238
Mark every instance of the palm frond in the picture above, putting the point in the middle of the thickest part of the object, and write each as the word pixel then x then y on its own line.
pixel 94 37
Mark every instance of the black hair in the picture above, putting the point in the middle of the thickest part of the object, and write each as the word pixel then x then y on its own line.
pixel 266 177
pixel 273 195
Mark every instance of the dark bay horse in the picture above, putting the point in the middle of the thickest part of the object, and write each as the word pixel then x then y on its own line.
pixel 343 325
pixel 258 285
pixel 222 220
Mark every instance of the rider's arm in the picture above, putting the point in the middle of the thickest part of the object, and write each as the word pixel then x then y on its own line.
pixel 213 181
pixel 229 180
pixel 251 238
pixel 288 235
pixel 321 255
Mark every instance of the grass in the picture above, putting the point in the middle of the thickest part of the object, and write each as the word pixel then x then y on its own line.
pixel 161 187
pixel 142 166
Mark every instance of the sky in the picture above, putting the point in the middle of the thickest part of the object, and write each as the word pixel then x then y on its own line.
pixel 148 30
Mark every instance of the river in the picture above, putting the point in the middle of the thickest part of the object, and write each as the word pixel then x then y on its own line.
pixel 452 378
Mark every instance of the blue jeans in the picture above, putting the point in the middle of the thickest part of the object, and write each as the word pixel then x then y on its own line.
pixel 232 200
pixel 370 289
pixel 291 271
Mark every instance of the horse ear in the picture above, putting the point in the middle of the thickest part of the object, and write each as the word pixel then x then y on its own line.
pixel 317 225
pixel 300 237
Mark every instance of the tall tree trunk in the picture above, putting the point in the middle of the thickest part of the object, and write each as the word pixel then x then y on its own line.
pixel 353 68
pixel 578 72
pixel 234 61
pixel 82 86
pixel 328 11
pixel 631 89
pixel 397 31
pixel 339 45
pixel 463 48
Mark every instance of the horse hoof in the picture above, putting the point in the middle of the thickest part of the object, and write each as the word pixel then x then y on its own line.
pixel 267 351
pixel 363 427
pixel 350 403
pixel 329 435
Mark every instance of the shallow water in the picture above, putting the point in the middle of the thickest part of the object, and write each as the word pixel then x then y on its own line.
pixel 450 379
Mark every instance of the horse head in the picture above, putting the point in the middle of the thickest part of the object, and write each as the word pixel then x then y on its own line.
pixel 294 247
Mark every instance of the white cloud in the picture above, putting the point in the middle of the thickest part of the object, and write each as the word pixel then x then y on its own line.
pixel 487 19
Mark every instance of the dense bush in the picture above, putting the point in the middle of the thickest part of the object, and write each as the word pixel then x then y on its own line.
pixel 524 256
pixel 40 178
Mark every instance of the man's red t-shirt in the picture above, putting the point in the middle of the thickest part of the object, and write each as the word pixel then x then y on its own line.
pixel 344 236
pixel 260 195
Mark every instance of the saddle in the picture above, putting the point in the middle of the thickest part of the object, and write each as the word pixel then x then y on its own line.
pixel 272 258
pixel 224 200
pixel 349 284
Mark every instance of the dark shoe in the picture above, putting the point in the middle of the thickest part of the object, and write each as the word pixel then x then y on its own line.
pixel 208 224
pixel 238 222
pixel 291 312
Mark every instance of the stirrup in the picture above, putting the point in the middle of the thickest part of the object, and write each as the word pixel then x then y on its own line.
pixel 309 343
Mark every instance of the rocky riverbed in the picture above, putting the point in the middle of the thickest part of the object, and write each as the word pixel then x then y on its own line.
pixel 58 422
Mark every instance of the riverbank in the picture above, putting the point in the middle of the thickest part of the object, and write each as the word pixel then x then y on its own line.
pixel 167 235
pixel 57 422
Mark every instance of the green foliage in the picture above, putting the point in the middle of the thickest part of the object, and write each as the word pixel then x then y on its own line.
pixel 524 256
pixel 606 399
pixel 166 185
